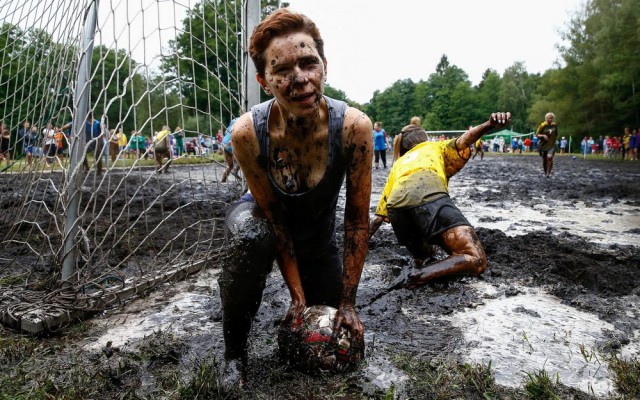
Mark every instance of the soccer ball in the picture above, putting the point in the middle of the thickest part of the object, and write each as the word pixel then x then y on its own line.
pixel 305 343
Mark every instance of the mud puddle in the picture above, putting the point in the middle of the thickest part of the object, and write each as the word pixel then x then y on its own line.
pixel 561 289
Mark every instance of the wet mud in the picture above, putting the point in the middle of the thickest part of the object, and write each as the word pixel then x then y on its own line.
pixel 543 237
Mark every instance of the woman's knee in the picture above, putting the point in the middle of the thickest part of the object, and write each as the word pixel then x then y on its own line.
pixel 249 240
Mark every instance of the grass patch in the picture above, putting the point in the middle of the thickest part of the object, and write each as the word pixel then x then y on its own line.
pixel 39 164
pixel 627 375
pixel 203 383
pixel 15 348
pixel 448 379
pixel 13 280
pixel 541 385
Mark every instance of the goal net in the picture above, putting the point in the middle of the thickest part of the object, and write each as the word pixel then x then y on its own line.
pixel 111 175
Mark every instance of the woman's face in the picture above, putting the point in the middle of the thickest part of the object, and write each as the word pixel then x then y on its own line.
pixel 294 73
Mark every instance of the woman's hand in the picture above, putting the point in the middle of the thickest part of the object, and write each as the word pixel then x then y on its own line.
pixel 347 318
pixel 293 316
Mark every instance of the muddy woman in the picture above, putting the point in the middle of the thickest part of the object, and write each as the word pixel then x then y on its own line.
pixel 416 201
pixel 295 152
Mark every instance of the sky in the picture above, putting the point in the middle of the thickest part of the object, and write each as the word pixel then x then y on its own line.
pixel 370 44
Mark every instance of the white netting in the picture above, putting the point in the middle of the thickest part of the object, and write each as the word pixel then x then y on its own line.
pixel 154 64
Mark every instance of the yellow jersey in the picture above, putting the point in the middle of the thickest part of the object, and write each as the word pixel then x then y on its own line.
pixel 421 175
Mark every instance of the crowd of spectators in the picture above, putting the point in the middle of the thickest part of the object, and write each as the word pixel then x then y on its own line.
pixel 51 143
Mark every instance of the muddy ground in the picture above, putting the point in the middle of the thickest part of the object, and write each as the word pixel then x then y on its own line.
pixel 572 240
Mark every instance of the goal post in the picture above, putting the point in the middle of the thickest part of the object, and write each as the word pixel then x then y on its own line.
pixel 114 111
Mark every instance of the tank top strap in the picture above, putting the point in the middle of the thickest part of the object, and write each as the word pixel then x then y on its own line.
pixel 260 114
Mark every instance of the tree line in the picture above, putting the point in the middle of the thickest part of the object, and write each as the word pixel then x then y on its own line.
pixel 591 90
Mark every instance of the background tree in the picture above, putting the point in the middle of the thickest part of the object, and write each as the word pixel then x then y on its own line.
pixel 595 92
pixel 390 107
pixel 516 93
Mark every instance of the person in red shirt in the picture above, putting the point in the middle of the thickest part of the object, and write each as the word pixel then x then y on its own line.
pixel 608 145
pixel 615 146
pixel 527 144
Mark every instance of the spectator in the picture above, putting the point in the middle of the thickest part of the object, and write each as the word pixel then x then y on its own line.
pixel 563 145
pixel 232 165
pixel 23 132
pixel 162 148
pixel 178 134
pixel 634 144
pixel 478 147
pixel 114 145
pixel 626 137
pixel 122 142
pixel 50 147
pixel 600 143
pixel 94 141
pixel 615 146
pixel 590 144
pixel 32 141
pixel 5 141
pixel 60 142
pixel 380 145
pixel 527 144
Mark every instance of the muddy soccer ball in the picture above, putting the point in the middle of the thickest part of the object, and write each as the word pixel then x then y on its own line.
pixel 305 344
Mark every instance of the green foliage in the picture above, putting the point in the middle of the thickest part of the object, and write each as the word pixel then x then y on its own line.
pixel 627 375
pixel 540 385
pixel 389 107
pixel 596 91
pixel 204 383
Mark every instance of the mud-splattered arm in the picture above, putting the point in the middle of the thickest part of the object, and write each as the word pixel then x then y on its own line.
pixel 496 120
pixel 358 149
pixel 246 149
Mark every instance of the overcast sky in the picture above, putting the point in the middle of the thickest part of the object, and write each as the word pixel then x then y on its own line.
pixel 369 44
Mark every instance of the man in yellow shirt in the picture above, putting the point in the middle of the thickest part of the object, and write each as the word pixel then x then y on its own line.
pixel 161 149
pixel 416 201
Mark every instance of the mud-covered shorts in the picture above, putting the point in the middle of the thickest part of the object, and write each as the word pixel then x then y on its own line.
pixel 425 223
pixel 320 272
pixel 548 153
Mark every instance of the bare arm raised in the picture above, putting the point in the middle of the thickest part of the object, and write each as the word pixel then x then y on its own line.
pixel 496 120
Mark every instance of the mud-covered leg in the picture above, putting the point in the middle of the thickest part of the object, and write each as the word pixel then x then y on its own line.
pixel 250 251
pixel 466 257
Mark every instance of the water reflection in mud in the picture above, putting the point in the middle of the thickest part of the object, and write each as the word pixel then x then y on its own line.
pixel 533 331
pixel 601 221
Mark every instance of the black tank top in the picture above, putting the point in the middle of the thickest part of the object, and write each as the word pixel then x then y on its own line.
pixel 310 216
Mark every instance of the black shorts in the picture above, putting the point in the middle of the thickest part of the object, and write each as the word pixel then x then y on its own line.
pixel 425 223
pixel 320 273
pixel 548 153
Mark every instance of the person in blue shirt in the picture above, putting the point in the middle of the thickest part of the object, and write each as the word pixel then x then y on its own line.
pixel 24 134
pixel 232 166
pixel 379 144
pixel 94 142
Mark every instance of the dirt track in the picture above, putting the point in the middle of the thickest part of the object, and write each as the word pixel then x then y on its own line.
pixel 571 239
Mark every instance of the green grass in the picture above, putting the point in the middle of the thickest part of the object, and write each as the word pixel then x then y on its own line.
pixel 40 165
pixel 627 375
pixel 541 385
